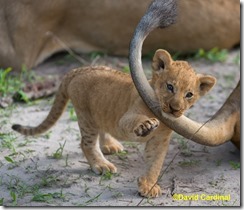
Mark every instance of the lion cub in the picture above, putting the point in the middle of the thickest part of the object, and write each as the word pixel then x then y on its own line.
pixel 108 107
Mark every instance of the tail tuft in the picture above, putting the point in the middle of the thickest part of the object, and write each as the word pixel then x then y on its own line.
pixel 16 127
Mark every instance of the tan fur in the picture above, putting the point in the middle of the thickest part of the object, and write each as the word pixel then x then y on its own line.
pixel 108 107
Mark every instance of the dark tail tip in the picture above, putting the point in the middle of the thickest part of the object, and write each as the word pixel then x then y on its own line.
pixel 16 127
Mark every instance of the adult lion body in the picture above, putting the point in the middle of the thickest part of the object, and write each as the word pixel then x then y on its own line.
pixel 30 30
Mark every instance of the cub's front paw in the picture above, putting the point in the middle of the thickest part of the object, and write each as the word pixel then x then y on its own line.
pixel 146 127
pixel 147 189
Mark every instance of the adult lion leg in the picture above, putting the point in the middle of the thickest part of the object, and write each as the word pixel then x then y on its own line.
pixel 155 152
pixel 109 144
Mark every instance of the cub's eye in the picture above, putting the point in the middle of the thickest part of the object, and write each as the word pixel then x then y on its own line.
pixel 170 88
pixel 189 95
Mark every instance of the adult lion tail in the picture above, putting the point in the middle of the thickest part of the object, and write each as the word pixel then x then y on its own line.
pixel 160 14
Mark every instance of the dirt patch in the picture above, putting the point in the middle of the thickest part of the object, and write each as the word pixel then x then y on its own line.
pixel 50 170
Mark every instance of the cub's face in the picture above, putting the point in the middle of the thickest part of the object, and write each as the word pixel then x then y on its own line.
pixel 176 84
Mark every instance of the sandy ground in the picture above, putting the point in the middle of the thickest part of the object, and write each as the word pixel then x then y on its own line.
pixel 50 170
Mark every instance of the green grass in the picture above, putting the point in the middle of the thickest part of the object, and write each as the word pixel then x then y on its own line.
pixel 72 114
pixel 47 181
pixel 47 197
pixel 184 148
pixel 213 55
pixel 122 155
pixel 1 201
pixel 126 69
pixel 7 140
pixel 14 198
pixel 8 84
pixel 59 152
pixel 94 55
pixel 17 189
pixel 3 80
pixel 9 159
pixel 14 159
pixel 235 165
pixel 47 135
pixel 5 114
pixel 90 201
pixel 11 84
pixel 188 163
pixel 21 96
pixel 107 176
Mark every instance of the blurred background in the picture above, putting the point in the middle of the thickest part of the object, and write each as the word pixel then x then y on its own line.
pixel 32 30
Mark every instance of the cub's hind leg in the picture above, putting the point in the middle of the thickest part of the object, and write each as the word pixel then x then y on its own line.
pixel 90 147
pixel 109 144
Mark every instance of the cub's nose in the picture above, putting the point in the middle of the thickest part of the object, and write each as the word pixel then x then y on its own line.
pixel 174 109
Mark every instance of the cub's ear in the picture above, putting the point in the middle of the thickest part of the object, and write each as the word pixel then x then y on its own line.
pixel 206 83
pixel 161 60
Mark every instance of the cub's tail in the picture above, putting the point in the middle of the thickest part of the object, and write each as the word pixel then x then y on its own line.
pixel 57 109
